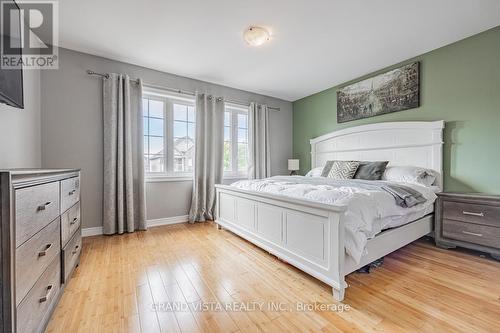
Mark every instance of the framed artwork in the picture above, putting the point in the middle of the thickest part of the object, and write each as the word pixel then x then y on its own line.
pixel 395 90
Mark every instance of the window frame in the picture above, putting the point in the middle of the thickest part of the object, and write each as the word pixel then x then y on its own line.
pixel 235 110
pixel 168 99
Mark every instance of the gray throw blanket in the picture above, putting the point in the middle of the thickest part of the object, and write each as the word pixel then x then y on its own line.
pixel 405 196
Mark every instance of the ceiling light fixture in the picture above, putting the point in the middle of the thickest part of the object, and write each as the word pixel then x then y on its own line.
pixel 256 36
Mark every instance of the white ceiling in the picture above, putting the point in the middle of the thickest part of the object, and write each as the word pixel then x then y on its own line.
pixel 315 45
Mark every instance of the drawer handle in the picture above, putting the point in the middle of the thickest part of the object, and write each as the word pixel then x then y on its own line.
pixel 472 233
pixel 44 206
pixel 72 192
pixel 47 295
pixel 75 251
pixel 74 221
pixel 473 214
pixel 44 252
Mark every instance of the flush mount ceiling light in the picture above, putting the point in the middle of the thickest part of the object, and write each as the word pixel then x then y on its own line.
pixel 256 36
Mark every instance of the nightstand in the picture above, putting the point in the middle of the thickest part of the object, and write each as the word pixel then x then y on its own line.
pixel 469 220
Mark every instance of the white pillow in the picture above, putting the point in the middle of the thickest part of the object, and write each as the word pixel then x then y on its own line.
pixel 316 172
pixel 410 174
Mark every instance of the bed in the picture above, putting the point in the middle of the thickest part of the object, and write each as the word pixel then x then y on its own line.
pixel 311 235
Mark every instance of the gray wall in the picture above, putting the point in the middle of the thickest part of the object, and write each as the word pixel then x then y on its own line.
pixel 72 129
pixel 20 128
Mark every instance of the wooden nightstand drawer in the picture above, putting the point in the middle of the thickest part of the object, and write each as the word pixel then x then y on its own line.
pixel 70 193
pixel 70 222
pixel 36 207
pixel 71 255
pixel 473 213
pixel 470 220
pixel 472 233
pixel 33 257
pixel 40 300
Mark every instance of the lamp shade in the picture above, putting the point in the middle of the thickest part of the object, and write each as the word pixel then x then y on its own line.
pixel 293 165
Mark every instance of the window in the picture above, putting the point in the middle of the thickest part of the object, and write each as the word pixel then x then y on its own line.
pixel 169 132
pixel 235 141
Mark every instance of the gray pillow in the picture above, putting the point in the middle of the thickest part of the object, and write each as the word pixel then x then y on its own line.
pixel 371 170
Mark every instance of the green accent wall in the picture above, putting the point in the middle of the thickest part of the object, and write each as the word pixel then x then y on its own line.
pixel 460 84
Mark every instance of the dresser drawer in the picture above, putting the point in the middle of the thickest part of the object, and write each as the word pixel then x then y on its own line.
pixel 472 233
pixel 71 255
pixel 70 222
pixel 33 257
pixel 474 213
pixel 36 207
pixel 70 193
pixel 35 307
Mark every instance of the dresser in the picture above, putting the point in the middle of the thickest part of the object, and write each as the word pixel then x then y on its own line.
pixel 468 220
pixel 40 244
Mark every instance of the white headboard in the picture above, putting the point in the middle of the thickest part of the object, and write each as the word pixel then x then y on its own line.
pixel 401 143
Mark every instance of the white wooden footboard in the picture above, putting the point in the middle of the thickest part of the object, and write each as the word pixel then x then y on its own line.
pixel 307 235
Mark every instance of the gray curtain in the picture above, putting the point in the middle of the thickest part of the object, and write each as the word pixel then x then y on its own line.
pixel 260 156
pixel 124 203
pixel 209 155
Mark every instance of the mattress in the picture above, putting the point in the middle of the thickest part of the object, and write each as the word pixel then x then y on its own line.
pixel 369 210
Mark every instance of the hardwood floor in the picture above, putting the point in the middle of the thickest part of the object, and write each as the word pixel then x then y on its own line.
pixel 120 278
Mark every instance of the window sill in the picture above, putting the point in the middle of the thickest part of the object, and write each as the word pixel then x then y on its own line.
pixel 228 180
pixel 235 177
pixel 158 179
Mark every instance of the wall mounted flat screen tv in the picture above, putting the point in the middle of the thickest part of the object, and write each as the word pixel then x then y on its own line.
pixel 11 80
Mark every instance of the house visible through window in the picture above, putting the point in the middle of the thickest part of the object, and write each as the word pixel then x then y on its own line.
pixel 235 141
pixel 169 132
pixel 184 131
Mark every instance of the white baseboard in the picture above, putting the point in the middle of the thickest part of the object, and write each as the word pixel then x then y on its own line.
pixel 167 221
pixel 95 231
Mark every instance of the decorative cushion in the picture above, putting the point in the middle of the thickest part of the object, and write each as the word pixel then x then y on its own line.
pixel 371 170
pixel 316 172
pixel 327 168
pixel 343 169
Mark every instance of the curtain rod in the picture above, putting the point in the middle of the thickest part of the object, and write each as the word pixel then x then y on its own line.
pixel 179 91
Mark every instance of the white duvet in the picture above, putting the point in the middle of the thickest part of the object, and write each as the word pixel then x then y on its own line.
pixel 369 210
